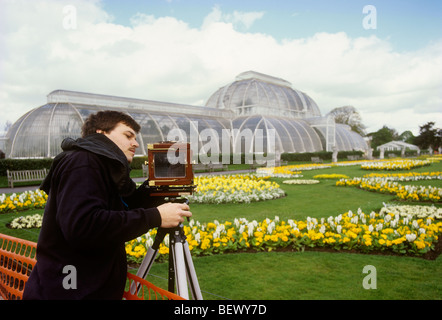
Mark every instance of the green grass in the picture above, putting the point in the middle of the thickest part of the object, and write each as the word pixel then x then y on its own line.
pixel 318 200
pixel 301 275
pixel 28 234
pixel 311 275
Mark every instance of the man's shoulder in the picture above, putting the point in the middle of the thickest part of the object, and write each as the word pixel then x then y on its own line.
pixel 81 158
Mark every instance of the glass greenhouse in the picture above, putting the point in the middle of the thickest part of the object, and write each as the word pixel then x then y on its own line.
pixel 255 113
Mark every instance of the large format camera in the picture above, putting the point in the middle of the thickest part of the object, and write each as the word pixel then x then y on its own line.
pixel 170 175
pixel 170 171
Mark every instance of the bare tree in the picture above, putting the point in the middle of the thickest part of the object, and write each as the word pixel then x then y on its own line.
pixel 350 116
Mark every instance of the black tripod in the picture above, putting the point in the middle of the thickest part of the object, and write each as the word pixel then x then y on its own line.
pixel 181 266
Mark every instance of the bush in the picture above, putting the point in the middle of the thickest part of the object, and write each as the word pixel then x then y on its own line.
pixel 24 164
pixel 324 155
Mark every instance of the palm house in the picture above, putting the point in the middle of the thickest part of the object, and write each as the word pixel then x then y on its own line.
pixel 255 107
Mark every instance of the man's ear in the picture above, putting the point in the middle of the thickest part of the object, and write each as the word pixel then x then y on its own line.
pixel 99 131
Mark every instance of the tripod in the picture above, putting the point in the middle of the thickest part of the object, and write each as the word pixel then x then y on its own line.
pixel 181 266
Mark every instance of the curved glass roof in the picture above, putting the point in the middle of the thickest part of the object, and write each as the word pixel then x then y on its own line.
pixel 255 93
pixel 344 138
pixel 291 135
pixel 347 140
pixel 39 133
pixel 255 107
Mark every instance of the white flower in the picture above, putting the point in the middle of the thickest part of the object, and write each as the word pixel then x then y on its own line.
pixel 410 237
pixel 271 227
pixel 415 224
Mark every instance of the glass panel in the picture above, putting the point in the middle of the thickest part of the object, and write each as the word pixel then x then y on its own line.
pixel 243 138
pixel 291 100
pixel 65 123
pixel 164 123
pixel 32 140
pixel 149 129
pixel 313 136
pixel 251 95
pixel 237 99
pixel 273 99
pixel 213 101
pixel 285 135
pixel 84 111
pixel 345 143
pixel 164 169
pixel 283 105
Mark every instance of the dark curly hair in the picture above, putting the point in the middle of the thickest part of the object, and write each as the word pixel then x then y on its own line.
pixel 107 121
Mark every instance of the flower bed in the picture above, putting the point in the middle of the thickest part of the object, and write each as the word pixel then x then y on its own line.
pixel 409 176
pixel 289 171
pixel 23 201
pixel 390 230
pixel 278 172
pixel 389 184
pixel 234 189
pixel 395 165
pixel 301 181
pixel 331 176
pixel 416 211
pixel 27 222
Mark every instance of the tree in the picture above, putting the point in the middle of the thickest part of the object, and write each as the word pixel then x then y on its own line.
pixel 407 136
pixel 429 136
pixel 8 124
pixel 350 116
pixel 383 135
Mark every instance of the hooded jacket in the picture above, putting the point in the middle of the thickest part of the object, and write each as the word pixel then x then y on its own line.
pixel 81 247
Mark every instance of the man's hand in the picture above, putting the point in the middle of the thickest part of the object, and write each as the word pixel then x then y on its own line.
pixel 172 214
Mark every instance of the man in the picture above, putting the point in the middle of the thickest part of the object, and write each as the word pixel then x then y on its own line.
pixel 80 250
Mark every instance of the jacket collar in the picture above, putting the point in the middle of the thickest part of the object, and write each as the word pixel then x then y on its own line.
pixel 101 145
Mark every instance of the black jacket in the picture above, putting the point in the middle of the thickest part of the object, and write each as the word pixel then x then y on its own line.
pixel 85 224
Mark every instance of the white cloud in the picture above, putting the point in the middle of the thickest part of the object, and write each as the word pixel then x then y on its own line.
pixel 237 18
pixel 162 58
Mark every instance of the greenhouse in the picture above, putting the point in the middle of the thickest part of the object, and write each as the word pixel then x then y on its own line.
pixel 254 113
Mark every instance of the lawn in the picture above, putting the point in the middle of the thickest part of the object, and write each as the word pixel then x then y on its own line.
pixel 311 275
pixel 301 275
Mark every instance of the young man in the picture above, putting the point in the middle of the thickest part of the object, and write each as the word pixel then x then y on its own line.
pixel 80 250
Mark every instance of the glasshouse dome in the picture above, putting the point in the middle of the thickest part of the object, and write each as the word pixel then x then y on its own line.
pixel 255 107
pixel 257 93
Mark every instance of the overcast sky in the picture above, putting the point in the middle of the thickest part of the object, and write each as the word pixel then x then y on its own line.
pixel 384 57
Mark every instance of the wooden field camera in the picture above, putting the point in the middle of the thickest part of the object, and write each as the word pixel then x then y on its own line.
pixel 170 172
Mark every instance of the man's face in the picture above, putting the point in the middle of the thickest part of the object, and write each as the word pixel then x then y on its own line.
pixel 125 138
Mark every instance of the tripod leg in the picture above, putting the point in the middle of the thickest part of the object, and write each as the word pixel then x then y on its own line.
pixel 180 271
pixel 149 258
pixel 145 267
pixel 193 280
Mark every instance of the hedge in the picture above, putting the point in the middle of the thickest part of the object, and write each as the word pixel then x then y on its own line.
pixel 24 164
pixel 324 155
